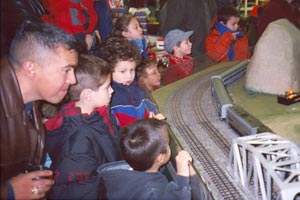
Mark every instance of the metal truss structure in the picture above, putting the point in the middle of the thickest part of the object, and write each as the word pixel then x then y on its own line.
pixel 246 5
pixel 267 165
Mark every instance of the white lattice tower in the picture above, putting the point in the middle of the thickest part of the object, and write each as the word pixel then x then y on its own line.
pixel 267 165
pixel 245 6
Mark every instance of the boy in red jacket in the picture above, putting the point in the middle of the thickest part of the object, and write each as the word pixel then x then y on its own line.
pixel 225 42
pixel 179 47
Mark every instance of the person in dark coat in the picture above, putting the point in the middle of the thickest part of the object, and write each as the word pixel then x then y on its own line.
pixel 145 147
pixel 40 66
pixel 187 15
pixel 105 21
pixel 84 135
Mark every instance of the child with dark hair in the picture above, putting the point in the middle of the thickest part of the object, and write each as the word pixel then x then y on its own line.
pixel 145 147
pixel 128 26
pixel 225 42
pixel 128 101
pixel 84 135
pixel 148 76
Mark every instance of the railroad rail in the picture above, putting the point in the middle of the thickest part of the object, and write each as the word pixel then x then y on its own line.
pixel 219 181
pixel 198 130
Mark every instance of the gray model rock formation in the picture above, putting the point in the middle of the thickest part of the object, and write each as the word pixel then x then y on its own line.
pixel 275 65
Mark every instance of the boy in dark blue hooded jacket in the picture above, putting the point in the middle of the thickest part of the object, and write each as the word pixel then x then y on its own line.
pixel 84 134
pixel 145 148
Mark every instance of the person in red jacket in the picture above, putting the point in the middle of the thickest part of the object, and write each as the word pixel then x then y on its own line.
pixel 257 9
pixel 225 42
pixel 73 16
pixel 277 9
pixel 77 17
pixel 179 47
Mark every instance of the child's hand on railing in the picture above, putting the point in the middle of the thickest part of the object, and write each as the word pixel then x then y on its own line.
pixel 159 116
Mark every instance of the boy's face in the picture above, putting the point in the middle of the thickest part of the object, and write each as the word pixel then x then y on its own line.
pixel 124 72
pixel 153 77
pixel 183 49
pixel 134 30
pixel 233 23
pixel 102 96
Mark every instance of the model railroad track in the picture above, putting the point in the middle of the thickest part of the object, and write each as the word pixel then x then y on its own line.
pixel 216 136
pixel 227 190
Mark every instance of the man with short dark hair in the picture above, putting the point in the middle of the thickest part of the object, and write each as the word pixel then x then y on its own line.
pixel 40 66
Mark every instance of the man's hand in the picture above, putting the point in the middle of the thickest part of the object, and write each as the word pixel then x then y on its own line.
pixel 30 186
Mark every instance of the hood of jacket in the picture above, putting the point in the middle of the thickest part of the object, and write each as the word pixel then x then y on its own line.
pixel 127 184
pixel 70 124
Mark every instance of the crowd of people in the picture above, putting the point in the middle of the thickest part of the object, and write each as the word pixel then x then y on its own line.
pixel 102 86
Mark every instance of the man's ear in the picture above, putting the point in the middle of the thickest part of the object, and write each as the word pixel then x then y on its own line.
pixel 29 68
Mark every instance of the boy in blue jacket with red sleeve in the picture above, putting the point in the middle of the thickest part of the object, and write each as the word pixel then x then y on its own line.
pixel 129 102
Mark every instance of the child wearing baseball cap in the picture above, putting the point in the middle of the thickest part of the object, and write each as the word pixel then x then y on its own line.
pixel 178 46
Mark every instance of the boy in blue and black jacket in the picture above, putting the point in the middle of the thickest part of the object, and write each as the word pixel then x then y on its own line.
pixel 84 134
pixel 129 102
pixel 145 148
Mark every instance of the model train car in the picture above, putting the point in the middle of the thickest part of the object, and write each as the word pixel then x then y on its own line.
pixel 235 116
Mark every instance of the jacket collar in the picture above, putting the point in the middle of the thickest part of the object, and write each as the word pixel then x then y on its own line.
pixel 121 85
pixel 71 110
